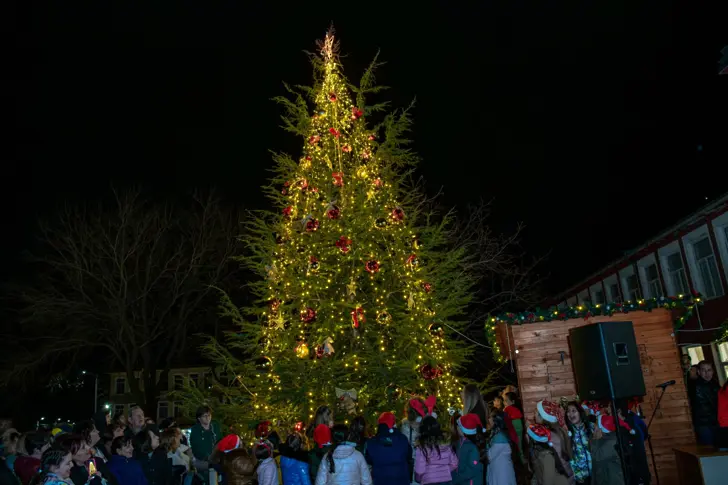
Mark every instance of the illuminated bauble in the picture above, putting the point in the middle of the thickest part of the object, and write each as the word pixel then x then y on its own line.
pixel 338 178
pixel 312 225
pixel 378 183
pixel 313 264
pixel 371 138
pixel 346 148
pixel 334 132
pixel 356 113
pixel 380 223
pixel 344 244
pixel 357 317
pixel 412 260
pixel 287 212
pixel 384 318
pixel 332 97
pixel 436 330
pixel 372 266
pixel 427 286
pixel 263 363
pixel 264 343
pixel 314 139
pixel 333 212
pixel 415 241
pixel 303 184
pixel 429 372
pixel 298 427
pixel 301 350
pixel 274 305
pixel 308 315
pixel 397 214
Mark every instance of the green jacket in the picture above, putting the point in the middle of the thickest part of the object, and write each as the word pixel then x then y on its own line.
pixel 470 470
pixel 203 441
pixel 315 456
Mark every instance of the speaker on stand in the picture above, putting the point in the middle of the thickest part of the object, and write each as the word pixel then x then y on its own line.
pixel 606 364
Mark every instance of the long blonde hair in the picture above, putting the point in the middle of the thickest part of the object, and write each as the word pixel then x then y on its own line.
pixel 473 402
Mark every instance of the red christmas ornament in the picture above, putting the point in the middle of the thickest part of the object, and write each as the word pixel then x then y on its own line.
pixel 429 373
pixel 397 214
pixel 338 179
pixel 371 138
pixel 365 155
pixel 378 183
pixel 313 263
pixel 308 315
pixel 308 158
pixel 372 266
pixel 314 139
pixel 357 317
pixel 298 427
pixel 287 212
pixel 275 304
pixel 332 97
pixel 333 212
pixel 334 132
pixel 262 430
pixel 344 244
pixel 303 183
pixel 427 286
pixel 346 148
pixel 412 260
pixel 312 225
pixel 356 113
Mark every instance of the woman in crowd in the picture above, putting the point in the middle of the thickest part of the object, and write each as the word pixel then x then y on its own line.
pixel 322 445
pixel 55 468
pixel 323 415
pixel 551 415
pixel 546 462
pixel 84 469
pixel 500 452
pixel 606 462
pixel 126 469
pixel 358 434
pixel 238 467
pixel 27 464
pixel 435 460
pixel 581 432
pixel 153 458
pixel 343 464
pixel 471 451
pixel 294 461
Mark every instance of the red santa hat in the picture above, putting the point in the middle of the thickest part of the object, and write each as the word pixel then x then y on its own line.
pixel 322 435
pixel 606 424
pixel 469 424
pixel 540 434
pixel 388 419
pixel 592 407
pixel 229 443
pixel 551 412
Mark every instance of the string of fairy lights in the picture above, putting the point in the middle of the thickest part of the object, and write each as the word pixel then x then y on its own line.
pixel 346 268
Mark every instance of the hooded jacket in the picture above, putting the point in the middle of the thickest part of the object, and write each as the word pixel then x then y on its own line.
pixel 350 468
pixel 390 455
pixel 294 467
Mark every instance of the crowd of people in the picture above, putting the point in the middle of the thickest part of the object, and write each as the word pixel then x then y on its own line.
pixel 709 403
pixel 480 444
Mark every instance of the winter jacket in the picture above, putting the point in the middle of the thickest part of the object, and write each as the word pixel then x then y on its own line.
pixel 294 472
pixel 437 466
pixel 26 467
pixel 350 468
pixel 500 461
pixel 411 431
pixel 127 471
pixel 202 441
pixel 705 402
pixel 722 410
pixel 556 441
pixel 390 455
pixel 470 470
pixel 157 467
pixel 606 465
pixel 314 460
pixel 267 472
pixel 544 468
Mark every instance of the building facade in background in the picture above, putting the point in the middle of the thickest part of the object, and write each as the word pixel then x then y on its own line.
pixel 692 255
pixel 123 400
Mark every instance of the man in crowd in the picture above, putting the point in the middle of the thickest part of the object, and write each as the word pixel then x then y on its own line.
pixel 704 399
pixel 136 422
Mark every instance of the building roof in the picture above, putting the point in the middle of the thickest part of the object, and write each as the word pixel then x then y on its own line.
pixel 693 219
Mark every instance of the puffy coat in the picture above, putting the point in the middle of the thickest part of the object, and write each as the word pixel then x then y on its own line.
pixel 705 402
pixel 436 466
pixel 294 471
pixel 268 472
pixel 389 454
pixel 350 468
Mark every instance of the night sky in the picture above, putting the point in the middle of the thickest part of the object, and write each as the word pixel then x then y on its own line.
pixel 596 126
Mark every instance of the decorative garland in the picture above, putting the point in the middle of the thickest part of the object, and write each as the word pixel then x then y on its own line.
pixel 587 310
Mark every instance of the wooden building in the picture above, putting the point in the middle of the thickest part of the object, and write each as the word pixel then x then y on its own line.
pixel 541 354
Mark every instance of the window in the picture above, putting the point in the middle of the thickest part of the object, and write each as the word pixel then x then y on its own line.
pixel 162 410
pixel 723 354
pixel 177 409
pixel 653 281
pixel 178 382
pixel 696 355
pixel 707 268
pixel 676 273
pixel 633 287
pixel 120 385
pixel 119 410
pixel 598 296
pixel 195 380
pixel 614 293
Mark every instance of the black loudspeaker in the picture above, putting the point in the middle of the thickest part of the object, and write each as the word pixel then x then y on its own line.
pixel 605 358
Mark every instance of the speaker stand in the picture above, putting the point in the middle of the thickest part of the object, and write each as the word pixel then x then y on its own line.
pixel 649 438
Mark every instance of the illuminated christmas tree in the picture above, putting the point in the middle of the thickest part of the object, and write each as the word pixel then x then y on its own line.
pixel 360 289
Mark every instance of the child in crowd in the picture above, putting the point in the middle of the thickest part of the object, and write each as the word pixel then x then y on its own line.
pixel 416 410
pixel 470 451
pixel 267 469
pixel 500 452
pixel 343 464
pixel 389 454
pixel 548 467
pixel 358 434
pixel 498 403
pixel 514 422
pixel 551 415
pixel 238 467
pixel 323 415
pixel 55 468
pixel 606 463
pixel 435 460
pixel 322 444
pixel 294 461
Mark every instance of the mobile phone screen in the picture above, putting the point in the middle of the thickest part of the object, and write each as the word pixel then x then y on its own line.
pixel 91 467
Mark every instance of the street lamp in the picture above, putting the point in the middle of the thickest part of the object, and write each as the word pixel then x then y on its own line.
pixel 96 387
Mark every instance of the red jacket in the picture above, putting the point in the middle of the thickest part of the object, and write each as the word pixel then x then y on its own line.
pixel 722 408
pixel 26 467
pixel 512 413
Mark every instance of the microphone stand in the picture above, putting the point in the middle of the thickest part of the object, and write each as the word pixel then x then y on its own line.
pixel 649 438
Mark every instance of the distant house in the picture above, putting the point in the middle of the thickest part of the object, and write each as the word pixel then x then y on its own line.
pixel 691 255
pixel 123 400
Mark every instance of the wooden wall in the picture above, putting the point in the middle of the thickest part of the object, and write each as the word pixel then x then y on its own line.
pixel 542 375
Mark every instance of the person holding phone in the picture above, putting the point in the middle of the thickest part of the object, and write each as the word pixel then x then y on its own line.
pixel 84 470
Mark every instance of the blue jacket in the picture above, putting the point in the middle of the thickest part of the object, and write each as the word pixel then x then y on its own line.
pixel 294 472
pixel 127 471
pixel 390 456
